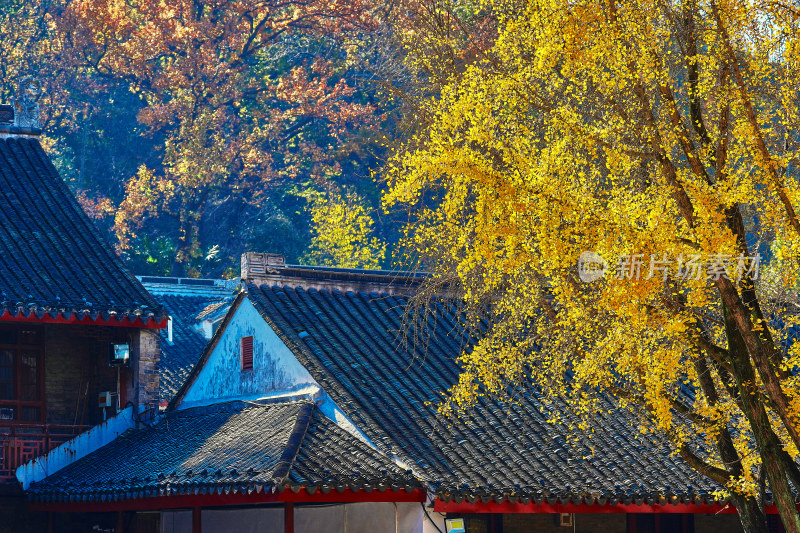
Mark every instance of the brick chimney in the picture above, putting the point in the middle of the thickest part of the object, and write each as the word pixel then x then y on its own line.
pixel 258 265
pixel 20 119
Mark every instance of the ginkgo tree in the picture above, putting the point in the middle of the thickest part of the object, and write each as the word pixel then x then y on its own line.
pixel 656 143
pixel 343 233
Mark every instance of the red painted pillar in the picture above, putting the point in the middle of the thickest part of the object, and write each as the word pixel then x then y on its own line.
pixel 120 523
pixel 197 526
pixel 288 517
pixel 50 521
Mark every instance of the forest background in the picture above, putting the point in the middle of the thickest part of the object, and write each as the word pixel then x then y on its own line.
pixel 192 130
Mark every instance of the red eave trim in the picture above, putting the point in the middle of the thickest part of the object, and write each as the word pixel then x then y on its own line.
pixel 221 500
pixel 506 507
pixel 72 318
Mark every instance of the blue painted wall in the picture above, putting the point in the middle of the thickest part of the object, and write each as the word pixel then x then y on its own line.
pixel 275 370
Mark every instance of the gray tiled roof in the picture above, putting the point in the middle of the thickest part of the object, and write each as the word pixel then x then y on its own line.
pixel 350 343
pixel 234 446
pixel 51 256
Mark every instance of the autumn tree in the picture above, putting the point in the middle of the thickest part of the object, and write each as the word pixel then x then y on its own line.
pixel 247 94
pixel 28 43
pixel 343 233
pixel 659 142
pixel 89 123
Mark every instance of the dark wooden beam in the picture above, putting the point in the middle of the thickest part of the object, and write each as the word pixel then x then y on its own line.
pixel 288 517
pixel 197 514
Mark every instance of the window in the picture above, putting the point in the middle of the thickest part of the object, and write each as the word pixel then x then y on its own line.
pixel 247 353
pixel 21 375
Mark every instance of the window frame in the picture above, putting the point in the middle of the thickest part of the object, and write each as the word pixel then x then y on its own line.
pixel 19 349
pixel 246 339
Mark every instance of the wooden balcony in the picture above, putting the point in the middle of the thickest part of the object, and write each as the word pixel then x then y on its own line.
pixel 21 442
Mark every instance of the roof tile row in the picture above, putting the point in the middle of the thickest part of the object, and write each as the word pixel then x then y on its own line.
pixel 231 447
pixel 52 258
pixel 354 345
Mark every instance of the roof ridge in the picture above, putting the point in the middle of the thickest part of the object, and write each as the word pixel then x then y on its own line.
pixel 292 449
pixel 304 350
pixel 263 268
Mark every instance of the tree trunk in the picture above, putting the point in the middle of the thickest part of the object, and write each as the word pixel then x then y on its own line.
pixel 751 514
pixel 768 444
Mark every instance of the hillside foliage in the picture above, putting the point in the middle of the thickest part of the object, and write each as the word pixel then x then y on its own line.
pixel 608 189
pixel 194 131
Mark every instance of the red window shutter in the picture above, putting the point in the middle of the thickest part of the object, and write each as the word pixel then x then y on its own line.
pixel 247 353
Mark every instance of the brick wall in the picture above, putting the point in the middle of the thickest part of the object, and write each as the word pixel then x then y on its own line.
pixel 76 371
pixel 146 355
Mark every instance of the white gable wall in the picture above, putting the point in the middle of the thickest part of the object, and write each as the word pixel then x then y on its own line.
pixel 276 372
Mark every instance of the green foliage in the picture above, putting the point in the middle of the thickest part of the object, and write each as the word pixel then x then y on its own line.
pixel 152 257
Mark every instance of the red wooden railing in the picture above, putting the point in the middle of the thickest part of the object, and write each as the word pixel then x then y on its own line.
pixel 20 443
